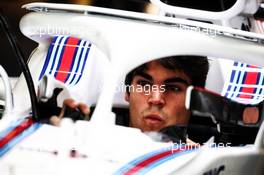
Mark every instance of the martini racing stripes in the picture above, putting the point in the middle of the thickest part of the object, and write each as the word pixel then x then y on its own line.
pixel 66 59
pixel 147 162
pixel 15 133
pixel 246 84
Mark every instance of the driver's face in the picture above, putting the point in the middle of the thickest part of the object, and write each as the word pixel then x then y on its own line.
pixel 156 108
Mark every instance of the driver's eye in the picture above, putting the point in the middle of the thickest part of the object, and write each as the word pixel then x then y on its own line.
pixel 172 88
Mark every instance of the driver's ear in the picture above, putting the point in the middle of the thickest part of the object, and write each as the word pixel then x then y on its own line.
pixel 127 97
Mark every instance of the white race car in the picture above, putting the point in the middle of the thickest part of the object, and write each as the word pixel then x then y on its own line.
pixel 87 51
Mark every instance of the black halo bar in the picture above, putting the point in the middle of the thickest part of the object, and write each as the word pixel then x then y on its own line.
pixel 22 63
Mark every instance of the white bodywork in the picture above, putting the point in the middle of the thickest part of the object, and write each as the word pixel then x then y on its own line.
pixel 124 40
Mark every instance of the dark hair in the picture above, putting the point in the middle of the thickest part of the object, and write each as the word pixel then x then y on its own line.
pixel 195 67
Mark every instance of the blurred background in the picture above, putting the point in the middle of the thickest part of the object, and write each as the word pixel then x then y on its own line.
pixel 12 9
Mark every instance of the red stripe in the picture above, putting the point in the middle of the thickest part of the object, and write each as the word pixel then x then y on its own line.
pixel 16 131
pixel 251 79
pixel 67 58
pixel 150 160
pixel 251 66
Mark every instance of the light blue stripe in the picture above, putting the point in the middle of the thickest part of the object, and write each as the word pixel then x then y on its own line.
pixel 131 164
pixel 163 160
pixel 18 138
pixel 11 127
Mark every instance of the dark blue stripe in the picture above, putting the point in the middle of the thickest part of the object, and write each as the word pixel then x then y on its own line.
pixel 61 55
pixel 228 90
pixel 243 83
pixel 261 89
pixel 262 85
pixel 234 91
pixel 260 93
pixel 258 78
pixel 47 60
pixel 78 64
pixel 232 76
pixel 238 77
pixel 234 72
pixel 257 83
pixel 73 60
pixel 55 55
pixel 84 63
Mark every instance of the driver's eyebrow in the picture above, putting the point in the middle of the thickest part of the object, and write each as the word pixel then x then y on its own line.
pixel 144 75
pixel 176 80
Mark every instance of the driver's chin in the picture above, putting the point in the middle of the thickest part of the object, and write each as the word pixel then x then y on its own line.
pixel 151 128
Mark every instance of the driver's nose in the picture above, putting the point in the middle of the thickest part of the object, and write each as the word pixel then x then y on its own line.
pixel 156 98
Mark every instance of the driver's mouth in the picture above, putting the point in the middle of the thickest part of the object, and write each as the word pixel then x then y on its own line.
pixel 153 119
